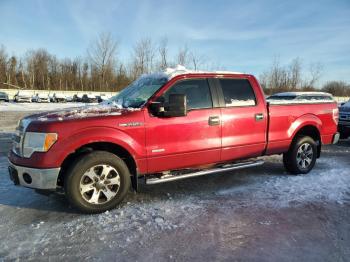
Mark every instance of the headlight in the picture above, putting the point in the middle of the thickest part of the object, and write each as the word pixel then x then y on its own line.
pixel 37 142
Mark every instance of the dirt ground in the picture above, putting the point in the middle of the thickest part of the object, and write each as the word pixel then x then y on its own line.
pixel 257 214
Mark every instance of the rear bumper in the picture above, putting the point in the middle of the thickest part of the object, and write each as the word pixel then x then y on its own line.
pixel 34 177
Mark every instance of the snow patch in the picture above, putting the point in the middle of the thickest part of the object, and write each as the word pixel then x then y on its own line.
pixel 329 184
pixel 234 102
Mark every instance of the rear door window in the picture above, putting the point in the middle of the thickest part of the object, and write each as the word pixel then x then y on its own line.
pixel 237 92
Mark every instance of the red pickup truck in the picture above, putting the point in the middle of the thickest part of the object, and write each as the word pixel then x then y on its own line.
pixel 164 127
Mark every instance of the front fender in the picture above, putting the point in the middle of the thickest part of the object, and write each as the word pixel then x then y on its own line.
pixel 90 135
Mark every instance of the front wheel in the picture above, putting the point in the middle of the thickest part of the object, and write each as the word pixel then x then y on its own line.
pixel 301 156
pixel 97 182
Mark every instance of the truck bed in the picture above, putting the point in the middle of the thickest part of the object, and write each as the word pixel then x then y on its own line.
pixel 287 117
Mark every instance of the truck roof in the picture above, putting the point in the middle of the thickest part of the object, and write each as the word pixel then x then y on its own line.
pixel 170 73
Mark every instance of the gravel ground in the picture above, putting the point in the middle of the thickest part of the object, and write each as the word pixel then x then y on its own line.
pixel 257 214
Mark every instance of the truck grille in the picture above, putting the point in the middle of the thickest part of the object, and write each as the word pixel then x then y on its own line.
pixel 344 116
pixel 344 119
pixel 18 137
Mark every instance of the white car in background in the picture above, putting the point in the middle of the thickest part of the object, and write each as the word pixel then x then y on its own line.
pixel 41 98
pixel 301 96
pixel 59 98
pixel 23 96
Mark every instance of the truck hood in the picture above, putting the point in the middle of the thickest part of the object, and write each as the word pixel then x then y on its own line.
pixel 80 113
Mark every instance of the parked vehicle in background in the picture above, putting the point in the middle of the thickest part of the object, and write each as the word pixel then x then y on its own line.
pixel 164 127
pixel 300 96
pixel 41 98
pixel 4 97
pixel 23 96
pixel 344 120
pixel 89 98
pixel 99 99
pixel 59 98
pixel 76 98
pixel 69 99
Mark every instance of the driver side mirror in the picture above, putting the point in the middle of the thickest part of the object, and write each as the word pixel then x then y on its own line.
pixel 177 106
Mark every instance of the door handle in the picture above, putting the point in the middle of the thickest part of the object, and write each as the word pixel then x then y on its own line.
pixel 259 117
pixel 214 120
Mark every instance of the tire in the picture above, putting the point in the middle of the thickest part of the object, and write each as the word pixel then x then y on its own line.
pixel 90 174
pixel 301 156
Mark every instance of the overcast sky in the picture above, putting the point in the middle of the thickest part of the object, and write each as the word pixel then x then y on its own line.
pixel 237 35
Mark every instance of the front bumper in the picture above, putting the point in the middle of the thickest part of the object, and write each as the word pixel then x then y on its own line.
pixel 34 177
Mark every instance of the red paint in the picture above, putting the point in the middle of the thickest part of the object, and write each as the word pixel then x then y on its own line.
pixel 160 144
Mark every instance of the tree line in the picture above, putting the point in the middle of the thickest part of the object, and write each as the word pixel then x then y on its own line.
pixel 292 77
pixel 101 69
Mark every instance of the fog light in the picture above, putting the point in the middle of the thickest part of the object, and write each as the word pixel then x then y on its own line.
pixel 27 178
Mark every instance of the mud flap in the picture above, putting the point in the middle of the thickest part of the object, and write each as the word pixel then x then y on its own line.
pixel 134 182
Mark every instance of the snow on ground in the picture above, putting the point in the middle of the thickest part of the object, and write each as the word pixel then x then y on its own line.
pixel 251 214
pixel 12 107
pixel 184 217
pixel 330 184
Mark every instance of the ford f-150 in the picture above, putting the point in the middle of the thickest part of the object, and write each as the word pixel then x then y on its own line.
pixel 163 127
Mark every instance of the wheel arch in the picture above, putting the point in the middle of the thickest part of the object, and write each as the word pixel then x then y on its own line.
pixel 312 131
pixel 110 147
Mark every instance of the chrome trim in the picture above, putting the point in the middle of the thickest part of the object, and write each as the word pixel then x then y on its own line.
pixel 41 178
pixel 168 178
pixel 20 133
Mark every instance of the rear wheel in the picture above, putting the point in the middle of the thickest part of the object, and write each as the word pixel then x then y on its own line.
pixel 301 156
pixel 97 182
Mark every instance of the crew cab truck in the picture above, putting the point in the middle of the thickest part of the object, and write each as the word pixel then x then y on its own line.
pixel 164 127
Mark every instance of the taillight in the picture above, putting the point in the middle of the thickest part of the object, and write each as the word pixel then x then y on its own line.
pixel 336 115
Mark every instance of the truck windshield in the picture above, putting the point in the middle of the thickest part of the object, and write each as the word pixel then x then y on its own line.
pixel 138 92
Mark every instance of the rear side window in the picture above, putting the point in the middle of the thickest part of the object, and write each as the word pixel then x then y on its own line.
pixel 197 93
pixel 237 92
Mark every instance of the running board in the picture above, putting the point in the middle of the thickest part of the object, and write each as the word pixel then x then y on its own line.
pixel 224 168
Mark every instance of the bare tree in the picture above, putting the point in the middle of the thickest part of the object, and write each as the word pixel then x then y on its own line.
pixel 295 74
pixel 315 71
pixel 183 56
pixel 3 65
pixel 196 60
pixel 102 54
pixel 289 78
pixel 337 88
pixel 143 58
pixel 163 54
